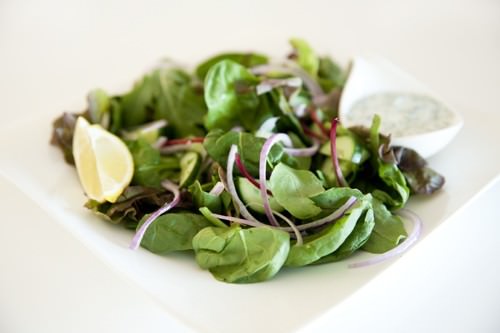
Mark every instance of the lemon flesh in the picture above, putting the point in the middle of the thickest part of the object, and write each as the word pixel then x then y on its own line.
pixel 103 162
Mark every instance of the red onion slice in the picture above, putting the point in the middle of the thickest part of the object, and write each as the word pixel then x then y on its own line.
pixel 232 188
pixel 136 241
pixel 304 152
pixel 266 148
pixel 329 218
pixel 292 225
pixel 401 248
pixel 240 220
pixel 149 127
pixel 333 147
pixel 217 189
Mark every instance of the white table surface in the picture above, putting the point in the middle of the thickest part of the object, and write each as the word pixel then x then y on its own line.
pixel 53 52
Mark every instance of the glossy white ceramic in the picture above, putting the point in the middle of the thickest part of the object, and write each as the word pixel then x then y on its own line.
pixel 372 75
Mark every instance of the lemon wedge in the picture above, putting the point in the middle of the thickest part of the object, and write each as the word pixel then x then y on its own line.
pixel 103 162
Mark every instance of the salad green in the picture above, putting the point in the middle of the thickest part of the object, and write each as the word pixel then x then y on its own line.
pixel 244 163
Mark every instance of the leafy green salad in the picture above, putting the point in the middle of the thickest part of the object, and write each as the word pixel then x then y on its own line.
pixel 244 163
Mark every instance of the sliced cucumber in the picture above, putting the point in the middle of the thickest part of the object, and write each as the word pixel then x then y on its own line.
pixel 348 149
pixel 346 167
pixel 250 195
pixel 190 166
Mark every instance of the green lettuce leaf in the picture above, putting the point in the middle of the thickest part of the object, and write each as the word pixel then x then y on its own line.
pixel 230 95
pixel 388 231
pixel 328 240
pixel 150 168
pixel 293 188
pixel 172 232
pixel 306 58
pixel 241 255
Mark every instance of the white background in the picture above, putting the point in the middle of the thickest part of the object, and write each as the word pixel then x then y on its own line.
pixel 53 52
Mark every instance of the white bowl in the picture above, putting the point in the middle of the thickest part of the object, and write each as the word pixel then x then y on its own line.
pixel 373 75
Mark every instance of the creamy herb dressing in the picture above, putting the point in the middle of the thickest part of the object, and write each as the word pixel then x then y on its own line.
pixel 402 114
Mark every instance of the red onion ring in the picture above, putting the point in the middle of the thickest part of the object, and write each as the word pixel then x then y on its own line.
pixel 240 220
pixel 330 218
pixel 266 148
pixel 152 126
pixel 401 248
pixel 232 188
pixel 136 241
pixel 217 189
pixel 304 152
pixel 292 225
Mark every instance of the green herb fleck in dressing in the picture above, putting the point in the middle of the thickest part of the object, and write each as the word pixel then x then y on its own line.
pixel 402 113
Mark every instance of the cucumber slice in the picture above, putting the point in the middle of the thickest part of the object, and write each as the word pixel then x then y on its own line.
pixel 190 166
pixel 348 149
pixel 250 195
pixel 347 168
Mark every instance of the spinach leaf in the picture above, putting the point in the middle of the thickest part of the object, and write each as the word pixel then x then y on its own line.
pixel 99 106
pixel 330 74
pixel 172 232
pixel 292 188
pixel 388 231
pixel 205 199
pixel 241 255
pixel 138 104
pixel 150 168
pixel 166 93
pixel 306 58
pixel 394 191
pixel 244 59
pixel 335 197
pixel 392 188
pixel 331 200
pixel 229 94
pixel 355 240
pixel 179 103
pixel 328 240
pixel 251 197
pixel 218 142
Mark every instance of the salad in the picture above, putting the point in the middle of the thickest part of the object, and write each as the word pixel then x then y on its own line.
pixel 245 163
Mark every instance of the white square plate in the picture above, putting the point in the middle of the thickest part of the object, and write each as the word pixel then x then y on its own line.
pixel 289 301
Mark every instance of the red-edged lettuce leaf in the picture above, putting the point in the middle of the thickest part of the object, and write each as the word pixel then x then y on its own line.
pixel 134 203
pixel 420 178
